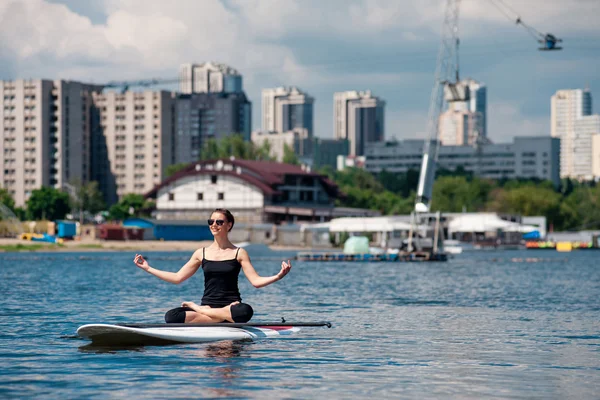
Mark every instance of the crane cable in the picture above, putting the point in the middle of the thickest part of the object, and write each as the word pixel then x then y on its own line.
pixel 532 31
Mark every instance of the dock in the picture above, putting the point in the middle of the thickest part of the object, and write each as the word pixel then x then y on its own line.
pixel 418 256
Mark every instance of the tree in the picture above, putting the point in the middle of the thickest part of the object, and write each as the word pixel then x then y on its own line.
pixel 48 203
pixel 175 168
pixel 459 171
pixel 326 170
pixel 263 152
pixel 289 157
pixel 86 197
pixel 21 213
pixel 527 200
pixel 358 178
pixel 235 145
pixel 7 200
pixel 210 150
pixel 581 209
pixel 411 181
pixel 131 205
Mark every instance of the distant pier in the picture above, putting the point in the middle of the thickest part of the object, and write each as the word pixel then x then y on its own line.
pixel 418 256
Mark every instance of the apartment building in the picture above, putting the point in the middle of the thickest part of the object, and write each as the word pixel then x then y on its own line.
pixel 133 142
pixel 46 134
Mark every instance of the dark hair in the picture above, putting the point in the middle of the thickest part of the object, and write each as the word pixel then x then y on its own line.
pixel 228 215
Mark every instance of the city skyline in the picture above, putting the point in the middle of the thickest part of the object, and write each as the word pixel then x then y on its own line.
pixel 386 47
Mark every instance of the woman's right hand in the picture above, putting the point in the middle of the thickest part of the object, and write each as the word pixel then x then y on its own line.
pixel 141 263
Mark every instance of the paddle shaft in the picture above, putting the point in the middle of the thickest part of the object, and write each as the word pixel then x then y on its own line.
pixel 229 324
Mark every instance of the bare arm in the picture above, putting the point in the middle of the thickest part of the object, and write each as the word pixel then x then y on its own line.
pixel 261 281
pixel 184 273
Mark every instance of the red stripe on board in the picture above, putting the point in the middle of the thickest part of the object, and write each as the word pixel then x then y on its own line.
pixel 276 328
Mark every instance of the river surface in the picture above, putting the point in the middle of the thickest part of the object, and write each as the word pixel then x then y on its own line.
pixel 511 324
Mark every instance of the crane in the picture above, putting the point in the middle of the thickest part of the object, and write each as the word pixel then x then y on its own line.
pixel 125 85
pixel 547 40
pixel 446 82
pixel 447 86
pixel 446 70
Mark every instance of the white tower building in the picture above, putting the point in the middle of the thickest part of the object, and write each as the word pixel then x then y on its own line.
pixel 209 77
pixel 285 109
pixel 570 112
pixel 359 118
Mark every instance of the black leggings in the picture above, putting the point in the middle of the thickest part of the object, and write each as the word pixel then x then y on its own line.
pixel 240 312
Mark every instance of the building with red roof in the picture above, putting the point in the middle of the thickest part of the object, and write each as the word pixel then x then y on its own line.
pixel 254 191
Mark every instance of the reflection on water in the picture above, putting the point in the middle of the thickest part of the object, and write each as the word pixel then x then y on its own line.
pixel 96 349
pixel 493 324
pixel 226 370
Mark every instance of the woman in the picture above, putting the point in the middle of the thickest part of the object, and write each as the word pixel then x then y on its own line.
pixel 221 263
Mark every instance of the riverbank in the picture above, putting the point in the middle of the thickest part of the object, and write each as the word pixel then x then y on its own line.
pixel 11 245
pixel 91 245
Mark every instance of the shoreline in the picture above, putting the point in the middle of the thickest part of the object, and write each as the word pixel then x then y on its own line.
pixel 8 245
pixel 95 245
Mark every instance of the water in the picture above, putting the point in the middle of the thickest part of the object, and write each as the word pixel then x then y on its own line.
pixel 483 325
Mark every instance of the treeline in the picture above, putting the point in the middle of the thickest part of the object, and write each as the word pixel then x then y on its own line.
pixel 83 203
pixel 571 206
pixel 236 146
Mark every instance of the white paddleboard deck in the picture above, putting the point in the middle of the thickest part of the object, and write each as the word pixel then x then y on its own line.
pixel 106 334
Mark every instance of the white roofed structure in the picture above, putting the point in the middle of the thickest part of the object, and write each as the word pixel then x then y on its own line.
pixel 485 222
pixel 366 224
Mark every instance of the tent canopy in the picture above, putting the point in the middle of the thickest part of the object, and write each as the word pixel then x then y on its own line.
pixel 485 222
pixel 372 224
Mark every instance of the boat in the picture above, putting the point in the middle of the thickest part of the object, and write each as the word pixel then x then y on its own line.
pixel 160 334
pixel 452 246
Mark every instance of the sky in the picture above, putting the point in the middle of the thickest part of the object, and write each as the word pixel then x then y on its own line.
pixel 388 47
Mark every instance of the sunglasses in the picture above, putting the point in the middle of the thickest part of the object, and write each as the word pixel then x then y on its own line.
pixel 219 222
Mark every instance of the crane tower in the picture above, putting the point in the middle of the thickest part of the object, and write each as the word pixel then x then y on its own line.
pixel 446 85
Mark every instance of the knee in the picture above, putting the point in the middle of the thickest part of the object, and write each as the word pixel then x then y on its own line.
pixel 175 316
pixel 241 312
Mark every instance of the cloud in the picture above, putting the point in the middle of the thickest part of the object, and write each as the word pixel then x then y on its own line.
pixel 388 46
pixel 406 124
pixel 506 120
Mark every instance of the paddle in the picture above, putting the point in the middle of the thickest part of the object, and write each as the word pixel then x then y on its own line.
pixel 229 324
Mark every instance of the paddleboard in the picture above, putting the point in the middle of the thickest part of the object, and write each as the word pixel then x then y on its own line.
pixel 157 334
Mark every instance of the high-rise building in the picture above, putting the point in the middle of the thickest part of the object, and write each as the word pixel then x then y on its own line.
pixel 596 155
pixel 204 116
pixel 570 121
pixel 458 127
pixel 285 109
pixel 209 77
pixel 465 120
pixel 478 104
pixel 46 129
pixel 133 142
pixel 586 128
pixel 359 118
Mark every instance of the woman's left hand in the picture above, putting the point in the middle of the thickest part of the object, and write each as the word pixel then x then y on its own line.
pixel 285 268
pixel 189 304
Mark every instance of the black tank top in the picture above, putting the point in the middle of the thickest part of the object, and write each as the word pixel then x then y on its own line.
pixel 221 281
